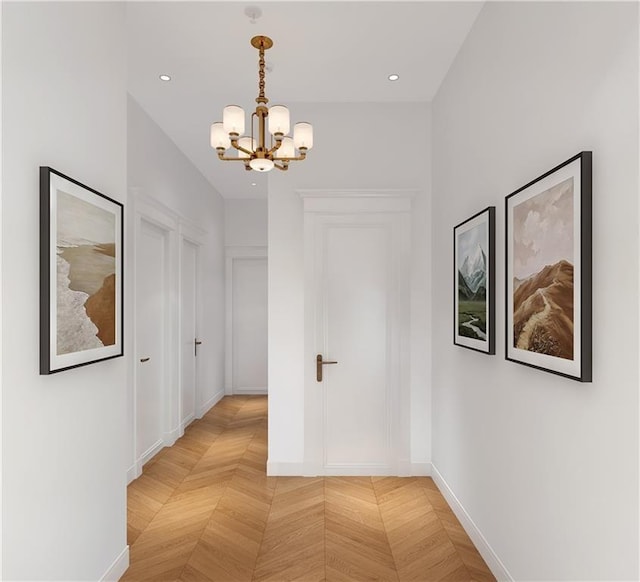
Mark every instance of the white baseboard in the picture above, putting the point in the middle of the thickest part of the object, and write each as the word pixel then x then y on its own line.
pixel 133 472
pixel 209 404
pixel 118 568
pixel 421 469
pixel 150 453
pixel 185 423
pixel 358 470
pixel 486 551
pixel 170 437
pixel 275 468
pixel 250 390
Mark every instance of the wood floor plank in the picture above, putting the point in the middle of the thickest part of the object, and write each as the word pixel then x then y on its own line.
pixel 205 511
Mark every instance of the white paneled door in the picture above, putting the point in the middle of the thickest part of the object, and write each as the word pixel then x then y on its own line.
pixel 356 296
pixel 151 330
pixel 189 339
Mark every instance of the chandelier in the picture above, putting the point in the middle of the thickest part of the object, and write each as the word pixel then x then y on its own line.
pixel 255 153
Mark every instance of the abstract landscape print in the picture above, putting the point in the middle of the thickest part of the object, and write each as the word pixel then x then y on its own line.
pixel 473 282
pixel 81 301
pixel 547 269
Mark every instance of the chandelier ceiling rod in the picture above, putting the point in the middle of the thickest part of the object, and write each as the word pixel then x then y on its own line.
pixel 257 155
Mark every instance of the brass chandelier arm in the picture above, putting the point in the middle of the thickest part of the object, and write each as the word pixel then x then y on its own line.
pixel 234 143
pixel 221 156
pixel 284 167
pixel 299 158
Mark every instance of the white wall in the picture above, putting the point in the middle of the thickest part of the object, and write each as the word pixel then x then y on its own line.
pixel 546 467
pixel 245 223
pixel 64 105
pixel 159 170
pixel 404 165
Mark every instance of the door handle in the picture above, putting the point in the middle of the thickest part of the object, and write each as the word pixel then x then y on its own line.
pixel 319 363
pixel 143 360
pixel 196 343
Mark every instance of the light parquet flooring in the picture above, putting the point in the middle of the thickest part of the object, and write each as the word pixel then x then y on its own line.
pixel 205 511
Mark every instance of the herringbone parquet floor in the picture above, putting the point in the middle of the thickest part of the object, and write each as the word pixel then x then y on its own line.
pixel 205 511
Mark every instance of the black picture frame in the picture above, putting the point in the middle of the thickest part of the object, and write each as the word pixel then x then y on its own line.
pixel 548 271
pixel 81 274
pixel 474 297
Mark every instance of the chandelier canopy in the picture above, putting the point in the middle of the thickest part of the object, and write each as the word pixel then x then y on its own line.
pixel 255 153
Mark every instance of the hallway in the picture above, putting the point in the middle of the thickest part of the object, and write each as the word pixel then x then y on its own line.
pixel 203 510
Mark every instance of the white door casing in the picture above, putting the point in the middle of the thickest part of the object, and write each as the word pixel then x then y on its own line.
pixel 188 332
pixel 246 325
pixel 357 281
pixel 153 267
pixel 153 330
pixel 191 242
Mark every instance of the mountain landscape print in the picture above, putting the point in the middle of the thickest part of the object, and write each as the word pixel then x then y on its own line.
pixel 472 272
pixel 543 272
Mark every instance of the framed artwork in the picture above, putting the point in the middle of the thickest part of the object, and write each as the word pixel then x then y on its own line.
pixel 474 282
pixel 81 243
pixel 548 271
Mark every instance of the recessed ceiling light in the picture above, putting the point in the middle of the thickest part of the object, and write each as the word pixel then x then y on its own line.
pixel 165 78
pixel 394 77
pixel 253 184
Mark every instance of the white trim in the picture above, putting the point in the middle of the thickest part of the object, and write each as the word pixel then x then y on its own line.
pixel 275 468
pixel 357 193
pixel 190 233
pixel 151 452
pixel 496 566
pixel 279 469
pixel 133 473
pixel 171 436
pixel 235 253
pixel 359 470
pixel 357 201
pixel 209 404
pixel 117 568
pixel 249 390
pixel 186 422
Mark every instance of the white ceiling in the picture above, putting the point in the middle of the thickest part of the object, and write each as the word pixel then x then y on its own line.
pixel 323 52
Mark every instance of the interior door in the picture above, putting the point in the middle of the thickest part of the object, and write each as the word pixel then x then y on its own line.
pixel 357 290
pixel 249 326
pixel 151 295
pixel 354 300
pixel 189 332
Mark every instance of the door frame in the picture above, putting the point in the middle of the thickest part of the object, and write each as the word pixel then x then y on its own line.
pixel 390 209
pixel 193 234
pixel 232 254
pixel 146 209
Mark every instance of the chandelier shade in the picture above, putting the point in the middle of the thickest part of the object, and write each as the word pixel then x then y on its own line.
pixel 253 149
pixel 233 119
pixel 278 120
pixel 286 149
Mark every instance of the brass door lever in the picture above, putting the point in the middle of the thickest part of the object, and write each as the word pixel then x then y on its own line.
pixel 319 363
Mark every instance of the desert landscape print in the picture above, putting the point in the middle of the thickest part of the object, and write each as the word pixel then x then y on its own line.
pixel 543 272
pixel 472 282
pixel 86 275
